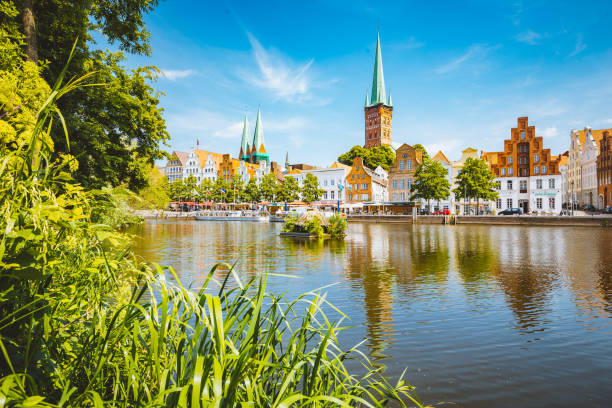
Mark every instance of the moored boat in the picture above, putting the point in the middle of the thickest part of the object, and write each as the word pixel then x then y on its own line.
pixel 245 215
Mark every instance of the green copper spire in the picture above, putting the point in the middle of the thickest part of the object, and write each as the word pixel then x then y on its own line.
pixel 390 102
pixel 258 137
pixel 367 101
pixel 244 145
pixel 378 81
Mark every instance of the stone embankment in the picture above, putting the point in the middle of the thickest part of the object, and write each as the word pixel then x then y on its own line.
pixel 160 214
pixel 595 220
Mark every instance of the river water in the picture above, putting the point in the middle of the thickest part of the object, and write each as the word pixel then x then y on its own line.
pixel 480 316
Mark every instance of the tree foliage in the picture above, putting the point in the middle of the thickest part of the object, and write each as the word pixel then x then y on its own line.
pixel 289 190
pixel 251 191
pixel 382 156
pixel 420 147
pixel 111 125
pixel 310 189
pixel 268 187
pixel 430 182
pixel 475 180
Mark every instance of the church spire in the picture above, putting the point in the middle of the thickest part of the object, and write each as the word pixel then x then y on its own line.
pixel 367 101
pixel 378 80
pixel 244 144
pixel 258 136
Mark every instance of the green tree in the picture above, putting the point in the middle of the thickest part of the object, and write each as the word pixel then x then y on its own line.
pixel 110 125
pixel 219 191
pixel 251 191
pixel 176 190
pixel 420 147
pixel 310 189
pixel 155 194
pixel 289 190
pixel 205 190
pixel 476 181
pixel 268 187
pixel 382 156
pixel 430 182
pixel 190 187
pixel 236 188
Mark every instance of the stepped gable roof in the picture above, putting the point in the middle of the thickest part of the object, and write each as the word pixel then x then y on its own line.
pixel 203 157
pixel 182 156
pixel 563 159
pixel 596 133
pixel 441 157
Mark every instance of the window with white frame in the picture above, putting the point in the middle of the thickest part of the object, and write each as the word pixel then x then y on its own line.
pixel 331 182
pixel 508 203
pixel 409 164
pixel 365 197
pixel 538 183
pixel 401 184
pixel 503 171
pixel 510 171
pixel 509 159
pixel 536 170
pixel 544 170
pixel 551 203
pixel 394 183
pixel 364 186
pixel 498 204
pixel 401 165
pixel 402 197
pixel 539 203
pixel 394 196
pixel 551 183
pixel 332 195
pixel 536 158
pixel 509 185
pixel 523 185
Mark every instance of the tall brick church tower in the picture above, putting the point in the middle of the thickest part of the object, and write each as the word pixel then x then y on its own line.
pixel 378 109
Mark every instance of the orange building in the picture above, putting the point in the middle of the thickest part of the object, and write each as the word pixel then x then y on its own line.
pixel 528 173
pixel 604 171
pixel 364 184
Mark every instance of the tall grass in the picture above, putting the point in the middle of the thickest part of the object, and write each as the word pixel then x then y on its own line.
pixel 83 323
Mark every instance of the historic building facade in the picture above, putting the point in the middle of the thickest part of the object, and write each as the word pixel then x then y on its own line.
pixel 528 173
pixel 604 171
pixel 583 142
pixel 401 174
pixel 331 180
pixel 378 109
pixel 366 185
pixel 174 166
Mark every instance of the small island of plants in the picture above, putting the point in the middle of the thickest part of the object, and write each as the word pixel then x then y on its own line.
pixel 314 224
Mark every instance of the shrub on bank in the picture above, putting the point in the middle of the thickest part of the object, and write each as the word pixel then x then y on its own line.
pixel 84 323
pixel 317 225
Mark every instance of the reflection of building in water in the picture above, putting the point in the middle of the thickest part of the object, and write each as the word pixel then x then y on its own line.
pixel 528 288
pixel 475 259
pixel 368 266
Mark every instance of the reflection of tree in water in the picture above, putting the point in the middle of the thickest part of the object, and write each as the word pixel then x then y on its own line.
pixel 376 276
pixel 476 261
pixel 429 253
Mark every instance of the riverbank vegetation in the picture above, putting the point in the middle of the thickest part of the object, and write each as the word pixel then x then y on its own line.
pixel 317 225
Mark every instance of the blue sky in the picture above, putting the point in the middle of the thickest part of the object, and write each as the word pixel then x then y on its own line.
pixel 460 72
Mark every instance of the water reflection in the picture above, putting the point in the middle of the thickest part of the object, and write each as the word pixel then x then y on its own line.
pixel 465 306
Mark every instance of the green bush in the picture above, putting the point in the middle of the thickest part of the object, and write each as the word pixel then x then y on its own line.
pixel 313 226
pixel 290 224
pixel 337 226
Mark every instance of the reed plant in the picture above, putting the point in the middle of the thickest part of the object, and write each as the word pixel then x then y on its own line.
pixel 84 323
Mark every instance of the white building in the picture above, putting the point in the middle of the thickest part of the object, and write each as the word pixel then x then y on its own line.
pixel 175 165
pixel 588 170
pixel 331 181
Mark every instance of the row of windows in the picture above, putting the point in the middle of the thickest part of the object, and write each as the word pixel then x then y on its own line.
pixel 405 164
pixel 331 182
pixel 353 176
pixel 536 170
pixel 523 184
pixel 402 184
pixel 355 186
pixel 539 202
pixel 174 169
pixel 332 195
pixel 362 197
pixel 401 196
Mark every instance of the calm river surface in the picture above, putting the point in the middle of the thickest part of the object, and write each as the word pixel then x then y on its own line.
pixel 481 316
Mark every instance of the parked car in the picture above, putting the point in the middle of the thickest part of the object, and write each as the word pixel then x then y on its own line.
pixel 511 211
pixel 442 212
pixel 424 211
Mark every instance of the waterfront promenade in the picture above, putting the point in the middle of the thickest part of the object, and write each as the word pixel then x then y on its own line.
pixel 540 220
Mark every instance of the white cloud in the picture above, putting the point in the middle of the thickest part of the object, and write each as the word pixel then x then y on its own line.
pixel 549 132
pixel 287 80
pixel 578 48
pixel 173 74
pixel 203 124
pixel 475 51
pixel 529 37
